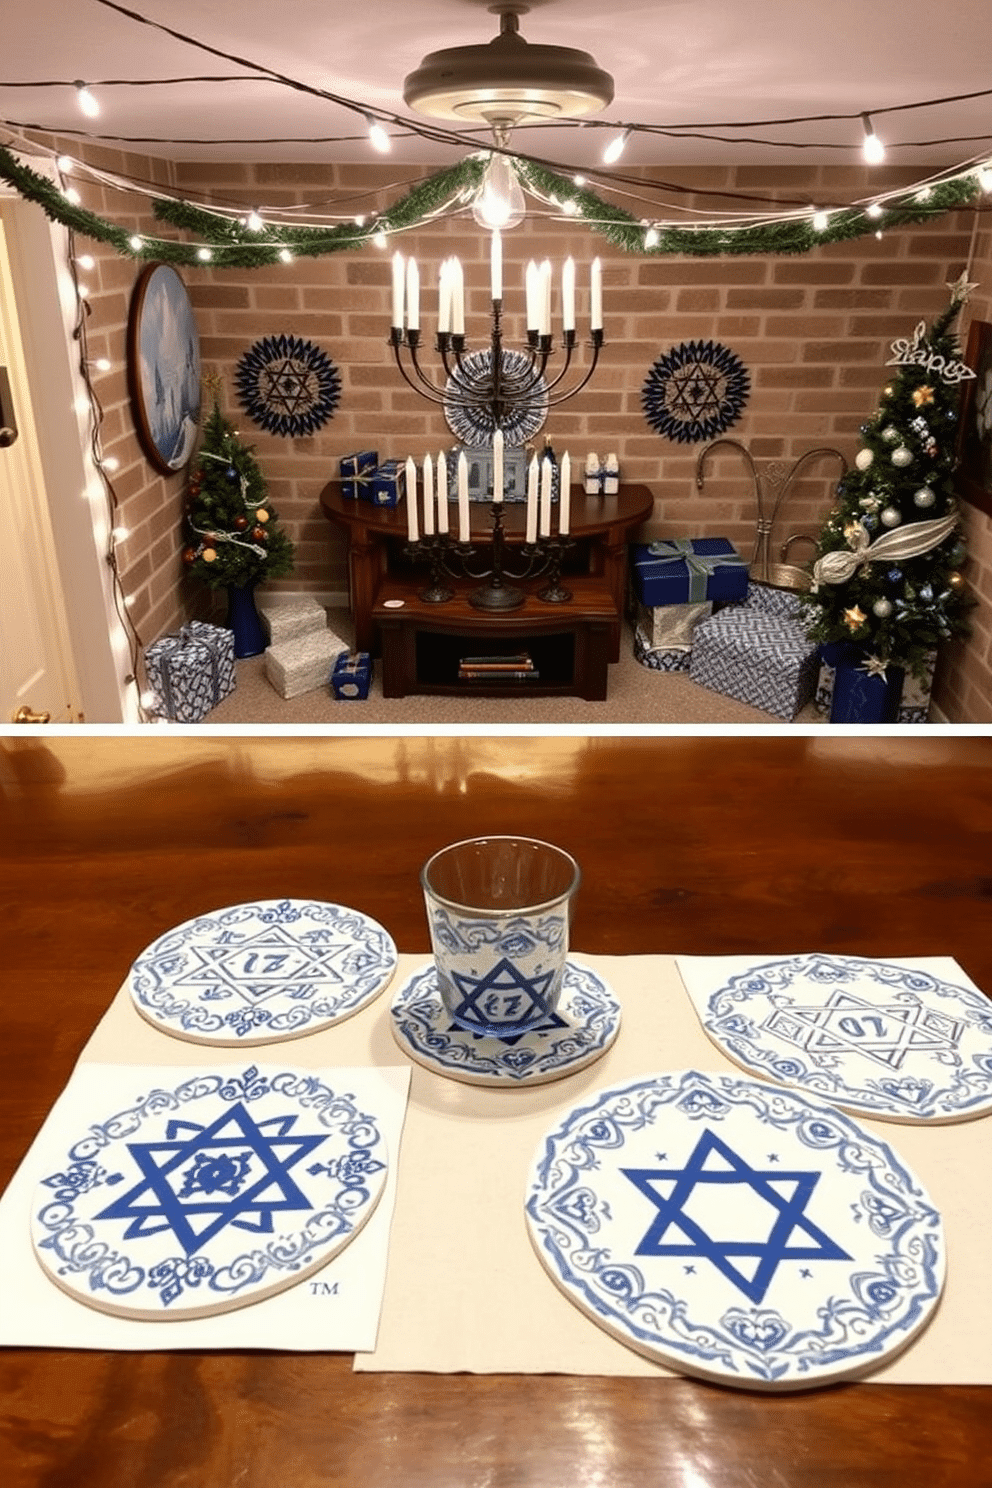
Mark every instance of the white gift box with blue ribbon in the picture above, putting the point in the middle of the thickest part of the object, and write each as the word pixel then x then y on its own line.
pixel 191 672
pixel 688 570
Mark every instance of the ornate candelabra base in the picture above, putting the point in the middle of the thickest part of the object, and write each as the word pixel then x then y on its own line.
pixel 447 558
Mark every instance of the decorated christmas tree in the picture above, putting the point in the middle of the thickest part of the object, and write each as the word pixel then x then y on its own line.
pixel 234 538
pixel 888 571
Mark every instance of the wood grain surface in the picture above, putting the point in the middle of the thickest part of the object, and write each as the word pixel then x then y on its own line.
pixel 821 841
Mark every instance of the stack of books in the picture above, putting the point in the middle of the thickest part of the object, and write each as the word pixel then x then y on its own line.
pixel 518 667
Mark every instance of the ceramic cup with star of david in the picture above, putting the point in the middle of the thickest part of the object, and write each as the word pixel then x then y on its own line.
pixel 499 910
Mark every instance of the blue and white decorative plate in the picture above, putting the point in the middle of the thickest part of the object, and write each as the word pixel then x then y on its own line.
pixel 210 1195
pixel 467 399
pixel 875 1038
pixel 257 973
pixel 579 1032
pixel 736 1231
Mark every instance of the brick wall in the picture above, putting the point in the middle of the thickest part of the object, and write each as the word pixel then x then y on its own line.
pixel 813 330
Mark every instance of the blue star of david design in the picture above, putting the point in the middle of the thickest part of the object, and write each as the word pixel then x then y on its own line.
pixel 787 1193
pixel 202 1178
pixel 270 962
pixel 884 1032
pixel 503 995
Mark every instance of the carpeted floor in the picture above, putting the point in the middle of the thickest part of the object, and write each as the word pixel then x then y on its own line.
pixel 636 696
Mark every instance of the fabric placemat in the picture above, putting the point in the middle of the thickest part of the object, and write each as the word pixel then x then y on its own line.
pixel 465 1290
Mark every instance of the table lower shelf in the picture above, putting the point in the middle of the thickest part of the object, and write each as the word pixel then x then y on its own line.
pixel 425 645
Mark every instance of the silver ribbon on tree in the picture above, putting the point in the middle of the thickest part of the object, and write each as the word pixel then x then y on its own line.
pixel 906 542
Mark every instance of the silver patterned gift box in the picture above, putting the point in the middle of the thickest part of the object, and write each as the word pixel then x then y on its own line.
pixel 303 663
pixel 756 657
pixel 191 672
pixel 287 615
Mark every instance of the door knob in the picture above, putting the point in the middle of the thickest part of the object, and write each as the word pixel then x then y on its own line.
pixel 25 714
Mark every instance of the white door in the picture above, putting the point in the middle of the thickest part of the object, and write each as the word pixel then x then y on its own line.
pixel 37 675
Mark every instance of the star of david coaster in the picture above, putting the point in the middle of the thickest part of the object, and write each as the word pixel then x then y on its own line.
pixel 875 1038
pixel 202 1198
pixel 580 1031
pixel 257 973
pixel 736 1231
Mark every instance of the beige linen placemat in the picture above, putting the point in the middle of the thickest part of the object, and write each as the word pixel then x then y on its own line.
pixel 465 1290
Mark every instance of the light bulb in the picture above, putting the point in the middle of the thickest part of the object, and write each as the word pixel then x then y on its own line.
pixel 872 149
pixel 819 221
pixel 651 237
pixel 985 177
pixel 254 221
pixel 204 254
pixel 87 102
pixel 285 256
pixel 616 148
pixel 378 137
pixel 136 244
pixel 500 201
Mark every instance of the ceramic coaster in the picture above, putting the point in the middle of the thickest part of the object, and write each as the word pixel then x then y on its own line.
pixel 581 1030
pixel 875 1038
pixel 736 1231
pixel 209 1196
pixel 257 973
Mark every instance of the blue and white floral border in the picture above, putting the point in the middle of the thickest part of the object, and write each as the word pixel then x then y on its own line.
pixel 866 1321
pixel 370 968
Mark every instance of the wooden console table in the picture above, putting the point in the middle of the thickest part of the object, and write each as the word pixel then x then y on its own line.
pixel 423 644
pixel 600 525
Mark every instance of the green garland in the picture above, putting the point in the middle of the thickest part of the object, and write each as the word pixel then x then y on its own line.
pixel 233 245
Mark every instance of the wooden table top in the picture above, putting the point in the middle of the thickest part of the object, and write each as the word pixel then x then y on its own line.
pixel 591 516
pixel 816 841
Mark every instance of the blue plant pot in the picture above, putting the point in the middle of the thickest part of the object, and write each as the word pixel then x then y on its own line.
pixel 858 697
pixel 244 620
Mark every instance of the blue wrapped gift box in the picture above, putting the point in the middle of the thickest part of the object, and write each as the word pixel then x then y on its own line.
pixel 386 482
pixel 191 672
pixel 687 570
pixel 352 675
pixel 356 472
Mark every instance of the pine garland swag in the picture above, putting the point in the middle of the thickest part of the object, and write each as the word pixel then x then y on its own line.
pixel 233 532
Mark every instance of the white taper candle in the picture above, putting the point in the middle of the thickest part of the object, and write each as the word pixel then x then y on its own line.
pixel 442 492
pixel 568 295
pixel 412 295
pixel 463 522
pixel 496 265
pixel 457 299
pixel 532 478
pixel 596 296
pixel 498 443
pixel 398 273
pixel 545 498
pixel 412 530
pixel 565 495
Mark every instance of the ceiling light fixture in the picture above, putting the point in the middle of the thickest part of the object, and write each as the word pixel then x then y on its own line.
pixel 500 201
pixel 508 80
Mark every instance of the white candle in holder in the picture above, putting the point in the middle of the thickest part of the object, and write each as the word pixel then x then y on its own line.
pixel 428 496
pixel 545 498
pixel 444 298
pixel 532 478
pixel 544 305
pixel 568 295
pixel 596 296
pixel 565 495
pixel 412 295
pixel 398 272
pixel 464 528
pixel 498 442
pixel 411 500
pixel 442 492
pixel 496 265
pixel 457 299
pixel 532 281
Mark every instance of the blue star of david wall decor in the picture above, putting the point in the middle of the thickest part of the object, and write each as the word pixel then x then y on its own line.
pixel 695 391
pixel 288 386
pixel 773 1185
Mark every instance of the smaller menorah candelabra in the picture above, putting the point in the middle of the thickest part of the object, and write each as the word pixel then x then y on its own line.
pixel 430 540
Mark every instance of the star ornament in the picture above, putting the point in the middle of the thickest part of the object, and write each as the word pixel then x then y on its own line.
pixel 923 395
pixel 875 666
pixel 854 618
pixel 961 288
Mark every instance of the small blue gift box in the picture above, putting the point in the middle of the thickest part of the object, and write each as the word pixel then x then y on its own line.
pixel 385 489
pixel 356 473
pixel 352 675
pixel 687 570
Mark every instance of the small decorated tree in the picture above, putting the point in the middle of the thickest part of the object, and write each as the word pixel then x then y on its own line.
pixel 234 539
pixel 888 573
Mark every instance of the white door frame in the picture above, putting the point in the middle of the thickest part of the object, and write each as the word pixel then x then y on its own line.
pixel 46 310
